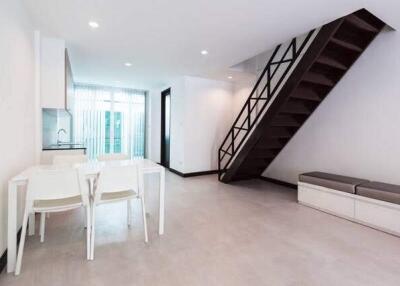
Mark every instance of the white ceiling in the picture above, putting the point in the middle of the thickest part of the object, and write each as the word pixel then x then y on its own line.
pixel 163 38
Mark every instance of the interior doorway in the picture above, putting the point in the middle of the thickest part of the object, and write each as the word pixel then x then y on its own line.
pixel 165 127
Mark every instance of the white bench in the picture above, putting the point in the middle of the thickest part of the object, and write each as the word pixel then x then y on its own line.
pixel 370 203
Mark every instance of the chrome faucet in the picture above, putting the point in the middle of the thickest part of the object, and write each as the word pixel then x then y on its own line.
pixel 58 135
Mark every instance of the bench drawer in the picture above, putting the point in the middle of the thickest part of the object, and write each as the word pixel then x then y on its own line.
pixel 332 201
pixel 379 215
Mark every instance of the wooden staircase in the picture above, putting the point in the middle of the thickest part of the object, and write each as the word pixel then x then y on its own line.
pixel 329 56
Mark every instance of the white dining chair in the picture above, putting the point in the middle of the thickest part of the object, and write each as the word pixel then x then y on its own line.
pixel 69 160
pixel 63 161
pixel 54 191
pixel 113 157
pixel 116 184
pixel 116 157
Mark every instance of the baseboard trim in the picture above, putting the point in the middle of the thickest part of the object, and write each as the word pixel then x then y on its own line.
pixel 193 174
pixel 176 172
pixel 203 173
pixel 3 258
pixel 278 182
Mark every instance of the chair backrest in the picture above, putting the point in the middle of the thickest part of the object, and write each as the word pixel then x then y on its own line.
pixel 57 184
pixel 69 160
pixel 116 179
pixel 113 157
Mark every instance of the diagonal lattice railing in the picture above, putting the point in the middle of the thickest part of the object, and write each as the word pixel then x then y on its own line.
pixel 267 85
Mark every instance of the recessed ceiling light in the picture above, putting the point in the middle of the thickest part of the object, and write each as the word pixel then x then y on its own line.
pixel 93 24
pixel 230 77
pixel 204 52
pixel 128 64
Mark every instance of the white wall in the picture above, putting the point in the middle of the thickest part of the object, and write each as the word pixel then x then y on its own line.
pixel 356 129
pixel 177 131
pixel 17 102
pixel 208 116
pixel 201 114
pixel 241 92
pixel 154 124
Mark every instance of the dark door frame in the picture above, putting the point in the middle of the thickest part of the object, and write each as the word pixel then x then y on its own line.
pixel 163 154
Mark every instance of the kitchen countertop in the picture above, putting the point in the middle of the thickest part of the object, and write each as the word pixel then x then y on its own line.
pixel 64 147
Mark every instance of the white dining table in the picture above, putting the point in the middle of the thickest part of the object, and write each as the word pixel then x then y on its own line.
pixel 91 170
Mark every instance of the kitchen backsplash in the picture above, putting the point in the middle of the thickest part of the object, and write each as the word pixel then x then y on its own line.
pixel 54 120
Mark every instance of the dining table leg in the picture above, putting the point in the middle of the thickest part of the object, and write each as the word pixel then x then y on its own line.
pixel 162 202
pixel 89 219
pixel 12 227
pixel 31 225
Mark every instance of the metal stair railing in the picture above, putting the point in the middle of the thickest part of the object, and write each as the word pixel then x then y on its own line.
pixel 275 70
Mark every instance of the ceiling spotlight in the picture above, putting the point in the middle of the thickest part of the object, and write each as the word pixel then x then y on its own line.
pixel 230 77
pixel 93 24
pixel 128 64
pixel 204 52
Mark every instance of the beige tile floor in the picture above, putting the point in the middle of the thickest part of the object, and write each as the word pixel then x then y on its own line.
pixel 248 233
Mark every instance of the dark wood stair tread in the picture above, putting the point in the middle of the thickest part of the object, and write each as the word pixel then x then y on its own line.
pixel 361 24
pixel 249 172
pixel 262 154
pixel 292 107
pixel 346 44
pixel 279 132
pixel 306 94
pixel 329 61
pixel 255 162
pixel 271 143
pixel 317 79
pixel 285 120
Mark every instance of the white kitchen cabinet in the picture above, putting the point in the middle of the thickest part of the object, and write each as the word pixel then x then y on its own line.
pixel 69 84
pixel 56 82
pixel 47 156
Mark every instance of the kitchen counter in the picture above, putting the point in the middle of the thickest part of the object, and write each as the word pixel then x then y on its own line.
pixel 56 147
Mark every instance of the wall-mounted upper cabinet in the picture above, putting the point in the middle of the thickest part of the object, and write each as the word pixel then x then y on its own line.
pixel 56 83
pixel 69 84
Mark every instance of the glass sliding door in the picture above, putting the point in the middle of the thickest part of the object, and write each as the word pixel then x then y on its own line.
pixel 109 120
pixel 107 141
pixel 117 132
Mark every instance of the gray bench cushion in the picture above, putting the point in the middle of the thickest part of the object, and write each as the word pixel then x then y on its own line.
pixel 380 191
pixel 331 181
